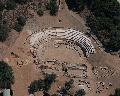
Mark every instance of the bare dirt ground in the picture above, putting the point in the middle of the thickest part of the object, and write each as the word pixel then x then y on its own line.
pixel 22 62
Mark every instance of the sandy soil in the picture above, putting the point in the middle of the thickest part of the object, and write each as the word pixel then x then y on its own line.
pixel 27 72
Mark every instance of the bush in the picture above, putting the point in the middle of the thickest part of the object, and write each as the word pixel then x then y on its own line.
pixel 40 84
pixel 73 4
pixel 22 1
pixel 117 92
pixel 65 90
pixel 49 79
pixel 6 75
pixel 2 6
pixel 105 23
pixel 36 85
pixel 81 4
pixel 18 27
pixel 33 87
pixel 80 92
pixel 21 21
pixel 104 20
pixel 53 7
pixel 40 12
pixel 55 95
pixel 10 5
pixel 4 30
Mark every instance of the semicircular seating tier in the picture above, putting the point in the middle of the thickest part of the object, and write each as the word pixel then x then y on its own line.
pixel 68 34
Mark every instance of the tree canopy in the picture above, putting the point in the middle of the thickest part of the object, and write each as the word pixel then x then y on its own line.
pixel 21 21
pixel 104 20
pixel 80 92
pixel 53 7
pixel 4 30
pixel 42 84
pixel 117 92
pixel 10 5
pixel 6 75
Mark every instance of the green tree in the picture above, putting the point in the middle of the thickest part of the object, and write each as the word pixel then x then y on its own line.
pixel 6 75
pixel 55 95
pixel 117 92
pixel 4 30
pixel 21 21
pixel 40 12
pixel 105 22
pixel 10 5
pixel 65 90
pixel 80 92
pixel 33 87
pixel 68 84
pixel 18 27
pixel 42 85
pixel 22 1
pixel 81 4
pixel 49 79
pixel 53 7
pixel 2 6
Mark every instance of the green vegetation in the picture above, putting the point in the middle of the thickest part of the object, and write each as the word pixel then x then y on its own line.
pixel 4 30
pixel 55 95
pixel 10 5
pixel 105 23
pixel 81 4
pixel 21 21
pixel 53 7
pixel 2 6
pixel 18 27
pixel 80 92
pixel 22 1
pixel 49 79
pixel 104 20
pixel 42 85
pixel 6 75
pixel 65 90
pixel 117 92
pixel 40 12
pixel 36 85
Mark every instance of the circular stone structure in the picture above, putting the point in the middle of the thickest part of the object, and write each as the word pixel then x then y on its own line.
pixel 68 35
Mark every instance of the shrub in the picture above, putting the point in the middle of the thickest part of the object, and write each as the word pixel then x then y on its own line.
pixel 40 12
pixel 4 30
pixel 18 27
pixel 10 5
pixel 53 7
pixel 49 79
pixel 6 75
pixel 105 22
pixel 65 90
pixel 55 95
pixel 40 84
pixel 21 20
pixel 22 1
pixel 33 87
pixel 2 6
pixel 80 92
pixel 81 4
